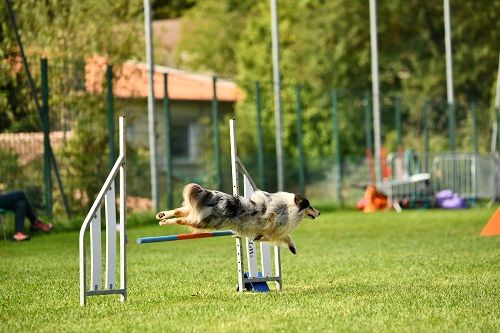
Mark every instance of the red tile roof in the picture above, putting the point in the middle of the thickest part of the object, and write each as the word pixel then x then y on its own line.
pixel 130 81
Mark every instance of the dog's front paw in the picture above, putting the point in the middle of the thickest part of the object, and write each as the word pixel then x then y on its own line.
pixel 162 215
pixel 166 222
pixel 292 249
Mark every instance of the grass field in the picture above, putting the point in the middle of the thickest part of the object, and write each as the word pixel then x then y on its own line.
pixel 418 271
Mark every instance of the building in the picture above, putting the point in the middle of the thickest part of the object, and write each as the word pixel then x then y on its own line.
pixel 190 98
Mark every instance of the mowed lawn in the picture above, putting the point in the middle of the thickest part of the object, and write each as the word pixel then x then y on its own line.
pixel 418 271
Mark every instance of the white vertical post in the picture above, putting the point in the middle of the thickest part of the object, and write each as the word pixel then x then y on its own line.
pixel 277 93
pixel 110 212
pixel 251 258
pixel 277 266
pixel 265 259
pixel 123 203
pixel 375 90
pixel 447 35
pixel 449 76
pixel 151 108
pixel 234 157
pixel 494 137
pixel 83 269
pixel 234 174
pixel 253 269
pixel 95 251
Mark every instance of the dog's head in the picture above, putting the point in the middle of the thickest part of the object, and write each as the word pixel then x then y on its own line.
pixel 305 207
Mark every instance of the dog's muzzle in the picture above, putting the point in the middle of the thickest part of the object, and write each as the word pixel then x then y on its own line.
pixel 312 213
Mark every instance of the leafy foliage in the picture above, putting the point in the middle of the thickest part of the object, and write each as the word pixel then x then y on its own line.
pixel 164 9
pixel 326 45
pixel 66 30
pixel 84 155
pixel 211 31
pixel 10 162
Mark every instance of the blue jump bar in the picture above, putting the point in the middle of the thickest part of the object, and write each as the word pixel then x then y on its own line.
pixel 171 238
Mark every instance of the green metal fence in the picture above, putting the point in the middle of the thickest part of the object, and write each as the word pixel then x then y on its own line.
pixel 327 136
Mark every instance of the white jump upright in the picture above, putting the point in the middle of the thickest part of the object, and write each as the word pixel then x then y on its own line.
pixel 252 279
pixel 106 196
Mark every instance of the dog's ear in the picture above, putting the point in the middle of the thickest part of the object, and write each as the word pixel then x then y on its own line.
pixel 301 202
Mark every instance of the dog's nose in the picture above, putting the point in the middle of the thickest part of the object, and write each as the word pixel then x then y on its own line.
pixel 319 213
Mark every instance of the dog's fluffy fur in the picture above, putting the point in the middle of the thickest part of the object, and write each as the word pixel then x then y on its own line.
pixel 269 217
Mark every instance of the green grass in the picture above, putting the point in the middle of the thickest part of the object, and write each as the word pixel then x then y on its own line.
pixel 418 271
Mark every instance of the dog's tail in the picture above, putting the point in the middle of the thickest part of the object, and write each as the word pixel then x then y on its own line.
pixel 195 196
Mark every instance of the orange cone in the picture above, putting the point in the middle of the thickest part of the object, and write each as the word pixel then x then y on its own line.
pixel 374 200
pixel 492 228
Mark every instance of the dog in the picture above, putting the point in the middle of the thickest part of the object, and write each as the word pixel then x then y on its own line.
pixel 269 217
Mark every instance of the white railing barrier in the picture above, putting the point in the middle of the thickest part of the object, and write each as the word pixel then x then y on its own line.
pixel 107 196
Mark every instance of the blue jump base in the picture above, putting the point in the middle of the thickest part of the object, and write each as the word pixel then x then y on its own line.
pixel 260 287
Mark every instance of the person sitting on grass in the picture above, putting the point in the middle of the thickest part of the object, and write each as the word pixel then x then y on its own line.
pixel 17 202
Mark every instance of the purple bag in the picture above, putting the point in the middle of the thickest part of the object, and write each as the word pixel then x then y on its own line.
pixel 449 200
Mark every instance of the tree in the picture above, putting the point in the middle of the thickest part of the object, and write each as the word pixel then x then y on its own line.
pixel 326 44
pixel 65 32
pixel 210 34
pixel 167 9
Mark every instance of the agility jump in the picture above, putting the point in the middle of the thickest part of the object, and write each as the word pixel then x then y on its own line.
pixel 252 278
pixel 106 196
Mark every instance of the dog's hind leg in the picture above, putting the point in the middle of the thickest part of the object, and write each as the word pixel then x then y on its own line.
pixel 291 245
pixel 178 212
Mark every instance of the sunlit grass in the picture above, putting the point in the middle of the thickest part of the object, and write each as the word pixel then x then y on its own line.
pixel 416 271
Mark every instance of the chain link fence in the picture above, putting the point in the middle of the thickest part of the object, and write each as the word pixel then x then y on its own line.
pixel 80 125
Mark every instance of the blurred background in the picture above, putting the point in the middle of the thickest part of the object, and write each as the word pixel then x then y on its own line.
pixel 214 62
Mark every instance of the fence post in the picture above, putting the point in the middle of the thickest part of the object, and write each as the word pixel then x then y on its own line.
pixel 397 109
pixel 300 146
pixel 168 153
pixel 336 140
pixel 426 135
pixel 452 143
pixel 474 128
pixel 368 137
pixel 496 109
pixel 215 127
pixel 260 139
pixel 475 148
pixel 110 112
pixel 46 141
pixel 451 127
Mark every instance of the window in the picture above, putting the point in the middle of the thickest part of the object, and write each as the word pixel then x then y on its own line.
pixel 179 141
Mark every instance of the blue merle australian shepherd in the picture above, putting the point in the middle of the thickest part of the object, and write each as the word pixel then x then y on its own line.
pixel 269 217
